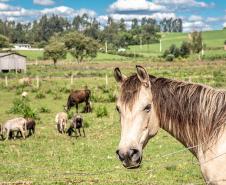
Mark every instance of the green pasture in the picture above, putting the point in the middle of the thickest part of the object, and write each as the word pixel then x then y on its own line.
pixel 52 158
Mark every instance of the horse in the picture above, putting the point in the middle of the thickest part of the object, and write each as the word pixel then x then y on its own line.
pixel 194 114
pixel 77 124
pixel 61 120
pixel 16 124
pixel 78 96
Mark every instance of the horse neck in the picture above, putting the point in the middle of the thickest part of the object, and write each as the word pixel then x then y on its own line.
pixel 189 112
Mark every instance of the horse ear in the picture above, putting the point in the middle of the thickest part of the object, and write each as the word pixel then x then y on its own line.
pixel 119 77
pixel 143 76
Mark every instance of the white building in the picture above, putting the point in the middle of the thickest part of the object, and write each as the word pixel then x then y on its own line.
pixel 12 61
pixel 22 46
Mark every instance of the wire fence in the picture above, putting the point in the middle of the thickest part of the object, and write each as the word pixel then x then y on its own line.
pixel 68 176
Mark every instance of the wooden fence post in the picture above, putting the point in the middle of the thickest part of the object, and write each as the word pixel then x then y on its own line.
pixel 37 82
pixel 106 81
pixel 6 81
pixel 72 79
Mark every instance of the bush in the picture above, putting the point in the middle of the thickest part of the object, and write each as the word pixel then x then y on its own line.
pixel 185 49
pixel 174 50
pixel 21 106
pixel 225 42
pixel 101 111
pixel 44 110
pixel 40 95
pixel 170 58
pixel 56 96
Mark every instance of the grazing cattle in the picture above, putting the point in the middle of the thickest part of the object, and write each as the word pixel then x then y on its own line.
pixel 61 121
pixel 30 126
pixel 77 97
pixel 77 124
pixel 88 108
pixel 16 124
pixel 25 81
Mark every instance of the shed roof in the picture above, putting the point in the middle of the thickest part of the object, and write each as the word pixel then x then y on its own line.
pixel 8 54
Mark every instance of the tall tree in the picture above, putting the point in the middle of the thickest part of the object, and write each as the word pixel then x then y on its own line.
pixel 80 46
pixel 55 50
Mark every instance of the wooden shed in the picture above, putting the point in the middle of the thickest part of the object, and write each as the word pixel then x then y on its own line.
pixel 12 61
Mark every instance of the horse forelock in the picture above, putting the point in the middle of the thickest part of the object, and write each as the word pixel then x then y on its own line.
pixel 193 113
pixel 130 90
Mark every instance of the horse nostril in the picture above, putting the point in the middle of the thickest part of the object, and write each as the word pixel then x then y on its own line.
pixel 134 153
pixel 120 155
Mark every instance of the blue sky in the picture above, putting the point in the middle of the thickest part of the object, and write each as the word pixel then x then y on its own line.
pixel 196 14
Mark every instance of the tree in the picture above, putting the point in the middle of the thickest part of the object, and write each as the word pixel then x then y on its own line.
pixel 196 41
pixel 4 42
pixel 55 50
pixel 80 46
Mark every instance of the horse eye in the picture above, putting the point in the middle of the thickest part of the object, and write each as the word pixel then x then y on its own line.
pixel 147 108
pixel 117 108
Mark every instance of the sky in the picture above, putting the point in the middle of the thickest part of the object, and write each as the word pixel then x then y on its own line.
pixel 196 14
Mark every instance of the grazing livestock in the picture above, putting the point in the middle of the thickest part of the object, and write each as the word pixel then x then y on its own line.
pixel 87 108
pixel 61 121
pixel 77 124
pixel 30 126
pixel 16 124
pixel 77 97
pixel 1 132
pixel 25 81
pixel 24 94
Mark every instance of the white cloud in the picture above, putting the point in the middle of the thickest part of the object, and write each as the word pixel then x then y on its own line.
pixel 224 25
pixel 21 14
pixel 44 2
pixel 194 18
pixel 184 3
pixel 195 26
pixel 132 5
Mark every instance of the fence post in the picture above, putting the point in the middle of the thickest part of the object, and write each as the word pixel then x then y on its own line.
pixel 37 82
pixel 106 81
pixel 72 79
pixel 190 79
pixel 6 81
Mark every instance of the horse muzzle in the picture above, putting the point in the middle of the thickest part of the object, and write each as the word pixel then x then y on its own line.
pixel 130 159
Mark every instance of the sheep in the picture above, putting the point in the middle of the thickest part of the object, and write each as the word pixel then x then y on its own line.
pixel 16 124
pixel 61 121
pixel 77 124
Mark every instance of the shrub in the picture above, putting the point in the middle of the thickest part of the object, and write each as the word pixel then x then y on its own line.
pixel 112 97
pixel 21 106
pixel 40 95
pixel 64 90
pixel 225 42
pixel 44 110
pixel 185 49
pixel 174 50
pixel 101 111
pixel 56 96
pixel 166 53
pixel 170 58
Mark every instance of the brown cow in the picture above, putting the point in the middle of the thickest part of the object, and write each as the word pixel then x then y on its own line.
pixel 78 96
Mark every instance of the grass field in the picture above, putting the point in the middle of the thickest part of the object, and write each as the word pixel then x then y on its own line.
pixel 212 39
pixel 52 158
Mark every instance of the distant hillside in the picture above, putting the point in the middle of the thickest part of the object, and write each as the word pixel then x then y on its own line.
pixel 212 39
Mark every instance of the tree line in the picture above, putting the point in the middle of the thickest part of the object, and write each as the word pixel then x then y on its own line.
pixel 115 33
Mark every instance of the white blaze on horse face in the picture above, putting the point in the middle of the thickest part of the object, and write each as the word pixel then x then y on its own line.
pixel 138 124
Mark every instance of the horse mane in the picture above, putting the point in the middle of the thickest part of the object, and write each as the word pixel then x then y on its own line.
pixel 192 113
